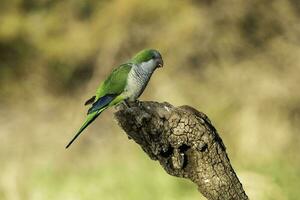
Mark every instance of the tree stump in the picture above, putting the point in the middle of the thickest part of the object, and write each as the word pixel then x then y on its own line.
pixel 186 145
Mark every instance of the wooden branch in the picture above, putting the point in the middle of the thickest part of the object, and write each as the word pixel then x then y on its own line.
pixel 185 143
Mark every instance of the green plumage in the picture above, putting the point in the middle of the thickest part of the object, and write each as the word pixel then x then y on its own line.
pixel 112 90
pixel 89 119
pixel 114 84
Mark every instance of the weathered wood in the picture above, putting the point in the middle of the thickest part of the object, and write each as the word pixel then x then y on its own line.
pixel 185 143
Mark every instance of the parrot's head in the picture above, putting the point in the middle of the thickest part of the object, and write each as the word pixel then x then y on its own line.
pixel 149 59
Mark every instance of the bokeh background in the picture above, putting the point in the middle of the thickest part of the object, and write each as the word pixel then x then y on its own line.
pixel 236 61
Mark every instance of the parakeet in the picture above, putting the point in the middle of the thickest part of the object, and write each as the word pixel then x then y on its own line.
pixel 125 83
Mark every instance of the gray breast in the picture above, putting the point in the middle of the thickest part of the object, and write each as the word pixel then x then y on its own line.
pixel 137 82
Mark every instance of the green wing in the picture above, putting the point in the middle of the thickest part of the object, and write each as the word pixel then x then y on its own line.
pixel 115 83
pixel 107 93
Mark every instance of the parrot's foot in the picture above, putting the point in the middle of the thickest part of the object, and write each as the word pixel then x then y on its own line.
pixel 122 105
pixel 126 104
pixel 139 103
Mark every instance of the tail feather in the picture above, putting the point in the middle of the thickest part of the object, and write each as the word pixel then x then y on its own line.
pixel 90 118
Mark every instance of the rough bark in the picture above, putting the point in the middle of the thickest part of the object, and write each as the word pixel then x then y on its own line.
pixel 185 143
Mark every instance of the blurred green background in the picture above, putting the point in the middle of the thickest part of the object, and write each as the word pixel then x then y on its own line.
pixel 237 61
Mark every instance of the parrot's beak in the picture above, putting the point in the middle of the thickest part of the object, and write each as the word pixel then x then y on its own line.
pixel 160 63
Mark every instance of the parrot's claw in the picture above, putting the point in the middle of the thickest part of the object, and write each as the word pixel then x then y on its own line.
pixel 139 103
pixel 122 105
pixel 126 104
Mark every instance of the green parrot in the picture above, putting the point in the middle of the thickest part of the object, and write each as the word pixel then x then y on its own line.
pixel 125 83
